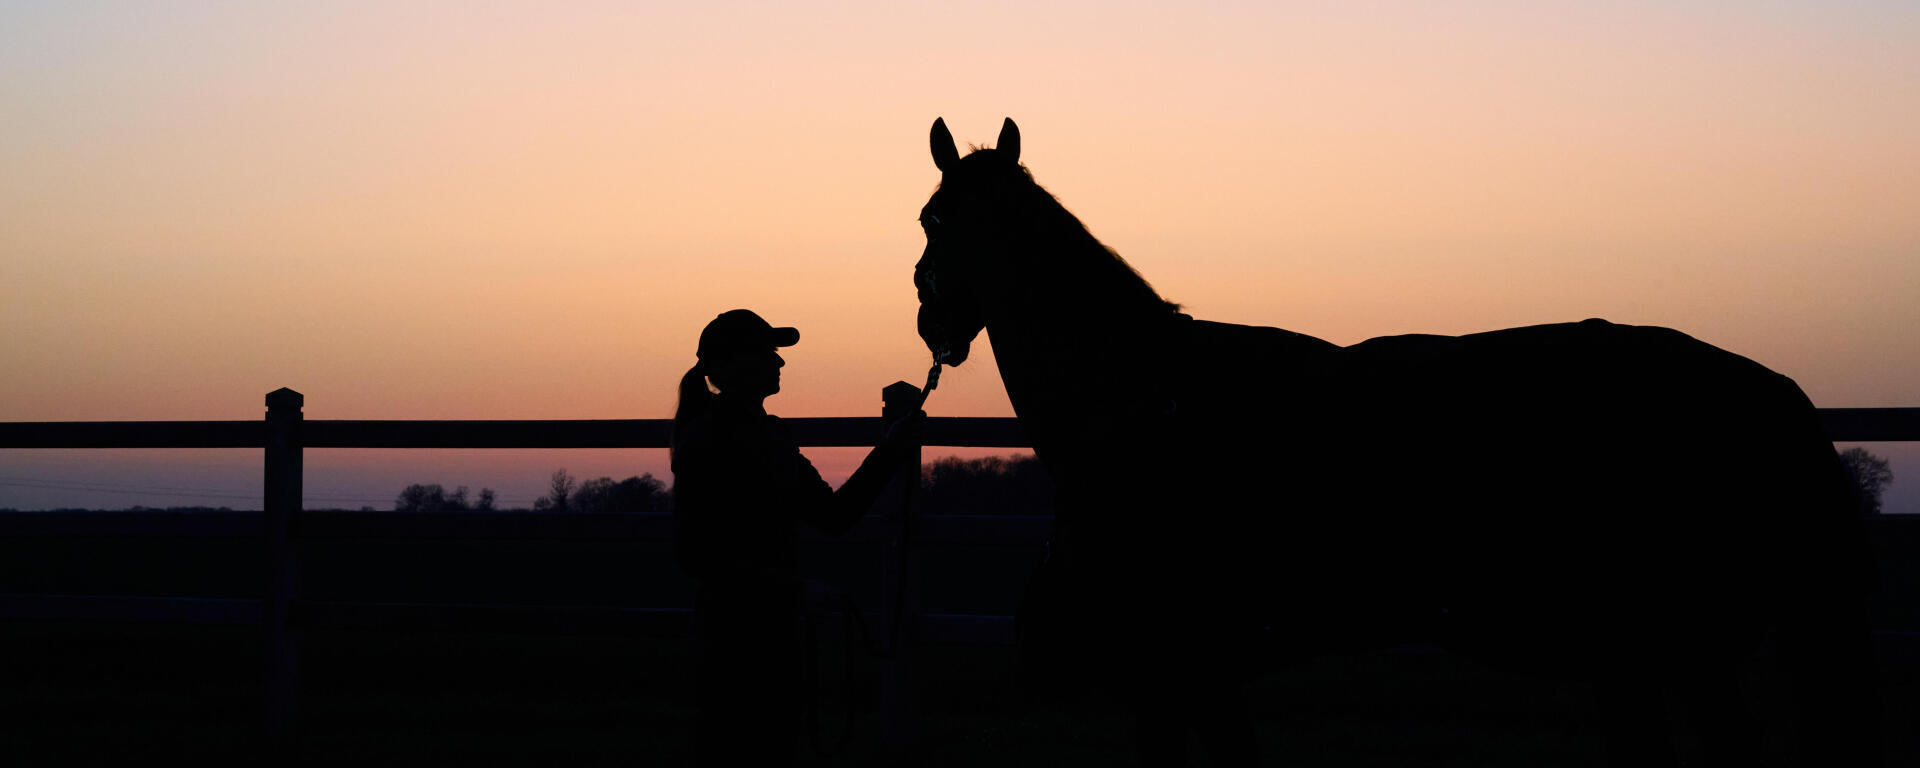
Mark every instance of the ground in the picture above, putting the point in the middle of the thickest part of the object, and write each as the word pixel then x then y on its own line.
pixel 103 693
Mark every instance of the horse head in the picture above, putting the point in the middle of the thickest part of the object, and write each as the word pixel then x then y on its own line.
pixel 963 222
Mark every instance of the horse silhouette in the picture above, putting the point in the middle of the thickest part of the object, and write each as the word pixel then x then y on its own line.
pixel 1620 504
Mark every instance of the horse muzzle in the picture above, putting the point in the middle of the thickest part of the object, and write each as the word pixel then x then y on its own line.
pixel 935 332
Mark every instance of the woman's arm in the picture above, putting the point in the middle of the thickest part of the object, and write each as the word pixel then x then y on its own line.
pixel 834 512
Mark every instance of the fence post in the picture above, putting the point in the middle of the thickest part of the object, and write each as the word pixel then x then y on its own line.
pixel 900 589
pixel 282 506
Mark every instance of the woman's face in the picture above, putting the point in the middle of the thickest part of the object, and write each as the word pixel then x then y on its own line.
pixel 751 374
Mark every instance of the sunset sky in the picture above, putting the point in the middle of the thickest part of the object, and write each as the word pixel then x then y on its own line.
pixel 528 211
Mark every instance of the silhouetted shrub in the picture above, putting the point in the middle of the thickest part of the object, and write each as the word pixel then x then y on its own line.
pixel 999 485
pixel 643 495
pixel 433 498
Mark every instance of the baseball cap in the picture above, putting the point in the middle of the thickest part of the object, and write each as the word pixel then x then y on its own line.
pixel 741 330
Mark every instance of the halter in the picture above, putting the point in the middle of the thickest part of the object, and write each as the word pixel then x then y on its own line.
pixel 930 280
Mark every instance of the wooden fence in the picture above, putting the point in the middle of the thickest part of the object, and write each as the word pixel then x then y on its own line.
pixel 284 434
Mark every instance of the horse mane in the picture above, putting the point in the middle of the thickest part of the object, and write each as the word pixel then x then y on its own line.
pixel 1071 250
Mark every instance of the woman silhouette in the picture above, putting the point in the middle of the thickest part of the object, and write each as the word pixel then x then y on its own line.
pixel 740 488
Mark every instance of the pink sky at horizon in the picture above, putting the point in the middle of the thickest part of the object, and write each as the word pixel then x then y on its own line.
pixel 518 211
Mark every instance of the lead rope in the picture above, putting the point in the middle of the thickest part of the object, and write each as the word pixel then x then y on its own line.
pixel 906 498
pixel 856 623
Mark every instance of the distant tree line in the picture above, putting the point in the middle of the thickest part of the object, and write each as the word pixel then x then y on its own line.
pixel 995 485
pixel 641 495
pixel 1014 485
pixel 433 498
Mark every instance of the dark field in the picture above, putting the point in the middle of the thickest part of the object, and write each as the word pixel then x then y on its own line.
pixel 109 693
pixel 100 694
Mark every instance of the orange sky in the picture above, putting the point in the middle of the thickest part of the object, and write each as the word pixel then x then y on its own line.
pixel 521 211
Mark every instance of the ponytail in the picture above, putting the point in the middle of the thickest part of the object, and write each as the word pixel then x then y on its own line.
pixel 696 401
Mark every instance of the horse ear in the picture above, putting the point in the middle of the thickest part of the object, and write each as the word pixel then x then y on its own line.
pixel 944 153
pixel 1009 144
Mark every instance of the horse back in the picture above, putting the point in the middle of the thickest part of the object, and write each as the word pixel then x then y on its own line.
pixel 1603 479
pixel 1578 477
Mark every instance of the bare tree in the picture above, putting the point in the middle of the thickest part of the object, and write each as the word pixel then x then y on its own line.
pixel 1871 475
pixel 561 486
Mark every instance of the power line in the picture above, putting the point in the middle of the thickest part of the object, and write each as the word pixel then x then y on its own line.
pixel 103 484
pixel 95 486
pixel 130 491
pixel 208 494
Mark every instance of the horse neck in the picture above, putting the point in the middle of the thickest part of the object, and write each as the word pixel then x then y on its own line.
pixel 1074 370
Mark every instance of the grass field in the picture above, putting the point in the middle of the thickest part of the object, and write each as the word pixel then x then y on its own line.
pixel 113 694
pixel 124 693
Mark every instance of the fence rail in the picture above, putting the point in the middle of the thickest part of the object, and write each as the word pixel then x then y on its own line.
pixel 969 432
pixel 1842 424
pixel 284 434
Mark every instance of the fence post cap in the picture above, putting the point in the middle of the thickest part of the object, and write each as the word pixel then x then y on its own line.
pixel 285 398
pixel 899 391
pixel 898 399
